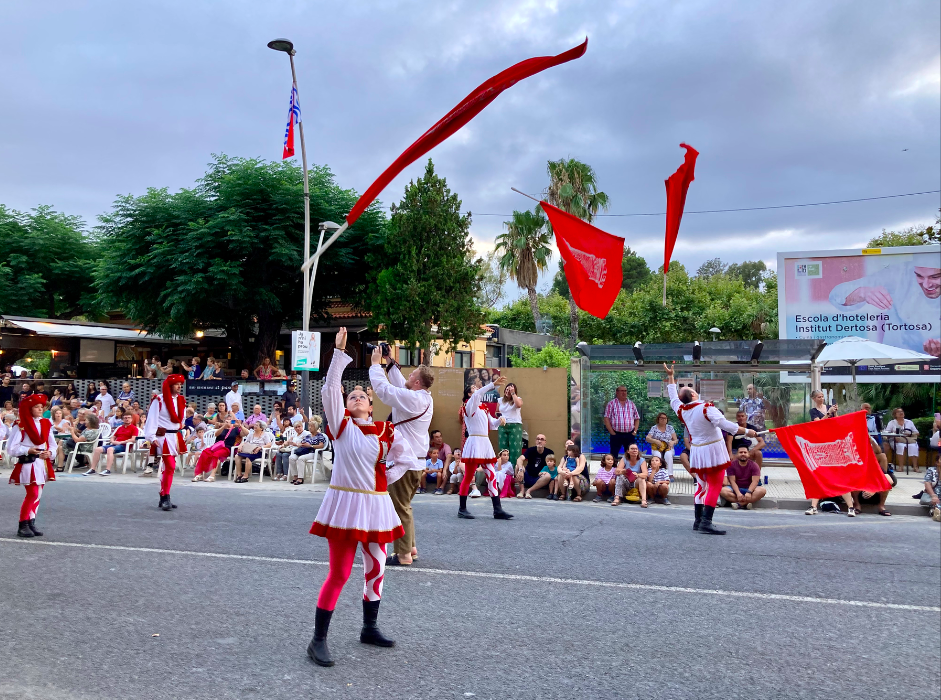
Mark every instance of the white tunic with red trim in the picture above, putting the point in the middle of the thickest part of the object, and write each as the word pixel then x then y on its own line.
pixel 159 417
pixel 705 424
pixel 39 471
pixel 357 505
pixel 477 450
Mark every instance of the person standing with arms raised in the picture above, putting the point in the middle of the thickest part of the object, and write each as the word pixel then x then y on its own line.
pixel 412 410
pixel 477 450
pixel 709 456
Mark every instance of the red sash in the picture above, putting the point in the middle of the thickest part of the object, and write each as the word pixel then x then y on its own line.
pixel 384 430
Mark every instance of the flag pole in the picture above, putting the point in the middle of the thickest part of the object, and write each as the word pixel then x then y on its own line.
pixel 525 195
pixel 664 288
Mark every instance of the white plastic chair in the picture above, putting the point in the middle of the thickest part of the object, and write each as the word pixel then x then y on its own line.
pixel 90 445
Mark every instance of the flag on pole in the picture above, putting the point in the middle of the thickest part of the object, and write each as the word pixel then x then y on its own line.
pixel 467 109
pixel 294 118
pixel 677 186
pixel 833 456
pixel 591 259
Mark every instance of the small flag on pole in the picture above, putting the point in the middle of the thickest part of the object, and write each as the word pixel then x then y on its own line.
pixel 294 117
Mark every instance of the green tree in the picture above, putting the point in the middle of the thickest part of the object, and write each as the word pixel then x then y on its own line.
pixel 493 278
pixel 913 235
pixel 550 355
pixel 634 270
pixel 711 268
pixel 524 251
pixel 227 253
pixel 751 272
pixel 46 264
pixel 429 276
pixel 573 187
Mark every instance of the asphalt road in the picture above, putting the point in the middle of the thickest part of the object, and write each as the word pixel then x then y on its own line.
pixel 79 622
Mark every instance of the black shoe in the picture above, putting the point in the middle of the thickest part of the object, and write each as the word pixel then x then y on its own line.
pixel 24 530
pixel 317 649
pixel 164 503
pixel 462 511
pixel 498 512
pixel 697 508
pixel 370 633
pixel 172 505
pixel 705 526
pixel 32 526
pixel 918 495
pixel 394 561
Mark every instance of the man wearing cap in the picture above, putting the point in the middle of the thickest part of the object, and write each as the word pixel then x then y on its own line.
pixel 32 444
pixel 163 430
pixel 233 396
pixel 290 396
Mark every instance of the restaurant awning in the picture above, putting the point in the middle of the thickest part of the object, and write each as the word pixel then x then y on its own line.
pixel 77 329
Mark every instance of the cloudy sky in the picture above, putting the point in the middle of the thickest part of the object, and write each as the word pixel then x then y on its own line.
pixel 787 103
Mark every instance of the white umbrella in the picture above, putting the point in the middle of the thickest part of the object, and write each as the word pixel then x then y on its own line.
pixel 852 351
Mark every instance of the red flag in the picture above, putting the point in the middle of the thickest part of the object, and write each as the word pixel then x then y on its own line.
pixel 467 109
pixel 833 456
pixel 677 186
pixel 592 261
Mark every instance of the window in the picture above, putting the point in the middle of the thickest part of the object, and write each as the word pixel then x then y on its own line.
pixel 494 356
pixel 462 359
pixel 408 357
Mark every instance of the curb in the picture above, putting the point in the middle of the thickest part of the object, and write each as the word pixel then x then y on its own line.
pixel 802 503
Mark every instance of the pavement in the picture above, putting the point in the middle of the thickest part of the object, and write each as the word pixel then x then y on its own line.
pixel 565 601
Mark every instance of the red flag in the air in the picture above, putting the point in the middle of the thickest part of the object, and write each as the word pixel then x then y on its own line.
pixel 466 110
pixel 592 260
pixel 833 456
pixel 677 186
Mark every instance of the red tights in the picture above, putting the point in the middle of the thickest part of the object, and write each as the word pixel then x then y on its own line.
pixel 167 468
pixel 708 485
pixel 342 554
pixel 31 502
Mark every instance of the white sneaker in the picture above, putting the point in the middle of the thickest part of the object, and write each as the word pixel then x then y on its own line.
pixel 198 477
pixel 749 506
pixel 89 472
pixel 475 493
pixel 810 511
pixel 106 472
pixel 735 506
pixel 851 513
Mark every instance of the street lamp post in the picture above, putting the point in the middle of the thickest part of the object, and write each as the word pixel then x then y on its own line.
pixel 288 48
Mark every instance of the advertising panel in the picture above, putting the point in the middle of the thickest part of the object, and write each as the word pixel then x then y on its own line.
pixel 305 351
pixel 888 295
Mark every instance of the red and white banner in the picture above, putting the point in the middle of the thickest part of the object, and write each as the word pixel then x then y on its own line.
pixel 592 261
pixel 677 187
pixel 833 456
pixel 467 109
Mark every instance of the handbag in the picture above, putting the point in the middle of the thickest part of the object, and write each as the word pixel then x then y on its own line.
pixel 633 495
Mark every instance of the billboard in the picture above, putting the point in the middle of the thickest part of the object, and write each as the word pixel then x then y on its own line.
pixel 888 295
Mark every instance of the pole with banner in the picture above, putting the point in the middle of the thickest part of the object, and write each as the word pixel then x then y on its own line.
pixel 305 351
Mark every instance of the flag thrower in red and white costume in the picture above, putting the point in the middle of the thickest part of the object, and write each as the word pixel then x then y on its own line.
pixel 356 510
pixel 477 450
pixel 163 431
pixel 33 446
pixel 708 456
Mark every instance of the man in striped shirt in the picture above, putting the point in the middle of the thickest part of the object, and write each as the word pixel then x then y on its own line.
pixel 621 420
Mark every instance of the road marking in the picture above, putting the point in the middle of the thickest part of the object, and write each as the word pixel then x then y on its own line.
pixel 490 575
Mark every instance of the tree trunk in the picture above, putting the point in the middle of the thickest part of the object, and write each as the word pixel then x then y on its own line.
pixel 266 341
pixel 573 322
pixel 534 305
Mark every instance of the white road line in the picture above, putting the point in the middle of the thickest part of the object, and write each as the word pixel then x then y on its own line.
pixel 489 575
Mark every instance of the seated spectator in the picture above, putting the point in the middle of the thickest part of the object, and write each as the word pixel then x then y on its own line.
pixel 631 472
pixel 529 468
pixel 454 471
pixel 122 440
pixel 226 438
pixel 847 499
pixel 283 455
pixel 6 425
pixel 684 455
pixel 256 415
pixel 308 442
pixel 659 480
pixel 870 497
pixel 820 409
pixel 74 406
pixel 116 419
pixel 236 411
pixel 907 440
pixel 550 472
pixel 605 479
pixel 188 421
pixel 86 432
pixel 662 439
pixel 223 417
pixel 250 450
pixel 742 484
pixel 754 445
pixel 57 398
pixel 434 467
pixel 60 419
pixel 929 498
pixel 196 442
pixel 296 418
pixel 504 474
pixel 444 449
pixel 572 474
pixel 873 423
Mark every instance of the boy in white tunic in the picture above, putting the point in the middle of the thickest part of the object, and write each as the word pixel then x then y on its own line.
pixel 163 430
pixel 708 454
pixel 477 450
pixel 33 446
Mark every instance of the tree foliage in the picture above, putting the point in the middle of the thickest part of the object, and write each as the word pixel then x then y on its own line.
pixel 430 276
pixel 751 272
pixel 913 235
pixel 492 279
pixel 550 355
pixel 47 264
pixel 227 253
pixel 711 268
pixel 525 251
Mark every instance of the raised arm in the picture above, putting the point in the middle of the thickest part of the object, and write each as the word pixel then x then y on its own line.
pixel 413 402
pixel 473 403
pixel 675 402
pixel 331 393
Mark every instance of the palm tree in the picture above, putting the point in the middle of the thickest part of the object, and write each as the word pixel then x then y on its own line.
pixel 573 187
pixel 524 252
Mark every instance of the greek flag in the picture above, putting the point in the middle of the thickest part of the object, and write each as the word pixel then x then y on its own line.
pixel 294 117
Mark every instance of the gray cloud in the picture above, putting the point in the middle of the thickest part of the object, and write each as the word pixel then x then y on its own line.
pixel 787 102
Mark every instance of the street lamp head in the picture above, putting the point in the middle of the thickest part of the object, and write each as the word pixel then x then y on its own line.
pixel 328 226
pixel 282 45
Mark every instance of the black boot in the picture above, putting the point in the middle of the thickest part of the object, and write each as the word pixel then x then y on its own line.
pixel 169 503
pixel 705 526
pixel 24 530
pixel 164 503
pixel 32 526
pixel 462 511
pixel 370 633
pixel 498 512
pixel 697 508
pixel 317 649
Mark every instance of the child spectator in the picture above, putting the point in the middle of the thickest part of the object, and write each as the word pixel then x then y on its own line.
pixel 434 467
pixel 455 471
pixel 572 474
pixel 604 479
pixel 504 473
pixel 660 479
pixel 553 472
pixel 196 443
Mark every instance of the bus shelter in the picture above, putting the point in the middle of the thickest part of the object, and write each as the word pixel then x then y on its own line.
pixel 771 379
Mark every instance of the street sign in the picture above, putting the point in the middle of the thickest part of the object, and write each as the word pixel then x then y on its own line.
pixel 305 355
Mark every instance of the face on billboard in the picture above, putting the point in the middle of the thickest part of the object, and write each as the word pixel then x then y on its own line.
pixel 929 279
